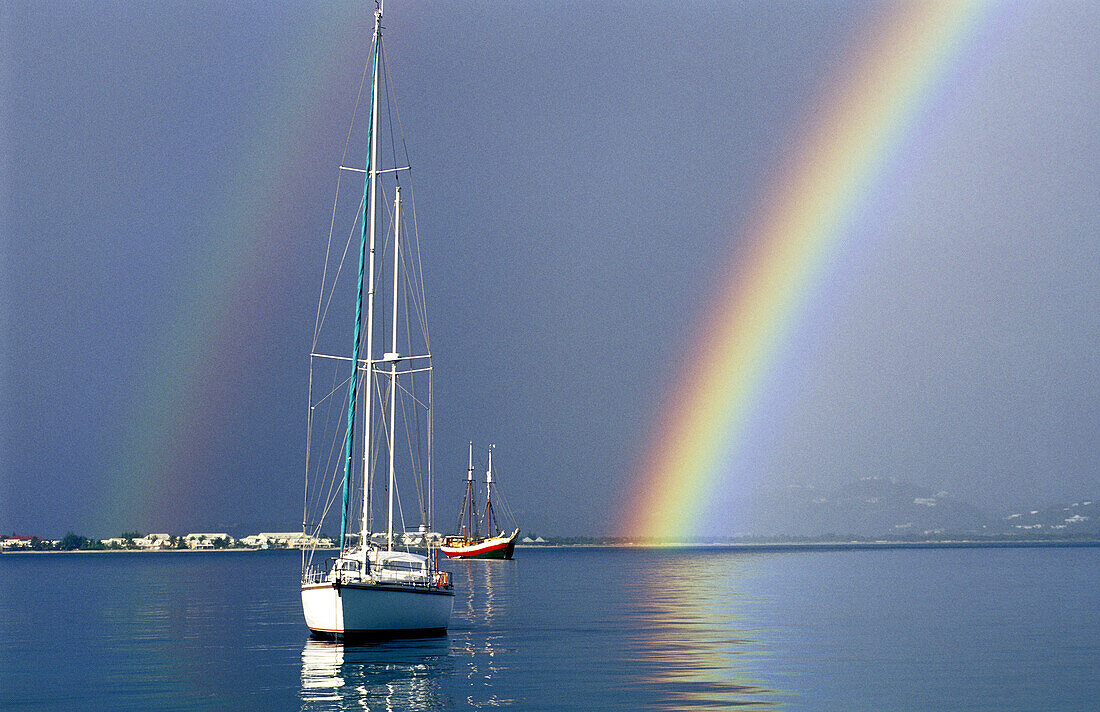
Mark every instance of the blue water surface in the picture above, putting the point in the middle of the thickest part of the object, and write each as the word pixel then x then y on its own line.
pixel 568 629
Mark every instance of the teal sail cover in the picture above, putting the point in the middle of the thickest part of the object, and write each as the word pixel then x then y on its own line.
pixel 358 317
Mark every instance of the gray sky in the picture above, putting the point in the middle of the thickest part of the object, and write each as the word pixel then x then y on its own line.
pixel 583 174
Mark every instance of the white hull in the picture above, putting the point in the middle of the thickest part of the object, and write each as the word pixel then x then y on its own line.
pixel 365 609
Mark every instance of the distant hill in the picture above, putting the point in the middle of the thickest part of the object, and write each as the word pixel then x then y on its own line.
pixel 879 507
pixel 869 507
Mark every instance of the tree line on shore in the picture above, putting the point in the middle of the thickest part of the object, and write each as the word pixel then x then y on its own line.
pixel 79 542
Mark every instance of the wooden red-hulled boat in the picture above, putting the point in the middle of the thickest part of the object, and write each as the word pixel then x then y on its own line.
pixel 496 547
pixel 468 543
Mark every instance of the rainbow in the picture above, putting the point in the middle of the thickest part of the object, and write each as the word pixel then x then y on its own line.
pixel 162 458
pixel 879 99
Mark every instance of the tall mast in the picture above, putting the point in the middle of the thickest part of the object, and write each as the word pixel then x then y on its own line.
pixel 372 153
pixel 470 494
pixel 371 197
pixel 489 495
pixel 392 357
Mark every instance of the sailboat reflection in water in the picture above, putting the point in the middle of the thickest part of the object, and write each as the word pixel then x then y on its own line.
pixel 393 675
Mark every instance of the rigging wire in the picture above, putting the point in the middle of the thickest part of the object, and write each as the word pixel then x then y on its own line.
pixel 330 461
pixel 389 112
pixel 396 111
pixel 413 466
pixel 339 270
pixel 343 161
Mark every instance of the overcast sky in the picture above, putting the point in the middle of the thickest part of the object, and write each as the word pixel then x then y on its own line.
pixel 584 172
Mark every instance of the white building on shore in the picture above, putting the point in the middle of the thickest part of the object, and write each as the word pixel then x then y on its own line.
pixel 284 540
pixel 15 542
pixel 154 541
pixel 205 540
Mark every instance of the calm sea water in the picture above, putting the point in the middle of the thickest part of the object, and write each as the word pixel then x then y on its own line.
pixel 568 629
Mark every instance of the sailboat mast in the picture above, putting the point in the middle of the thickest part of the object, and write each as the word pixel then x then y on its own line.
pixel 372 151
pixel 470 495
pixel 489 495
pixel 392 355
pixel 370 195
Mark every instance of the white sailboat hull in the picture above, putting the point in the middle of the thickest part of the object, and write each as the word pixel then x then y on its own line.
pixel 372 609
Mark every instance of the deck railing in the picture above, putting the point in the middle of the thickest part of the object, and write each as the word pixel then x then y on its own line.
pixel 436 579
pixel 314 574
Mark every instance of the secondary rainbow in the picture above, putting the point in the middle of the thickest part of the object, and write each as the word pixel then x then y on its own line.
pixel 161 455
pixel 881 94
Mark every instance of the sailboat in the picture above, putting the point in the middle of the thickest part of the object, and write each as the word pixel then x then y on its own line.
pixel 468 544
pixel 384 583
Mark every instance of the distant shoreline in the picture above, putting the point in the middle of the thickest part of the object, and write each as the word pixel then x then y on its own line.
pixel 140 551
pixel 761 547
pixel 839 545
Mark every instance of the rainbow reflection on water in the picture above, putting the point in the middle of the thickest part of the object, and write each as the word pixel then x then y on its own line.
pixel 697 644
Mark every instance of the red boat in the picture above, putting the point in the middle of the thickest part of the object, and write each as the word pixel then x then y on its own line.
pixel 468 543
pixel 496 547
